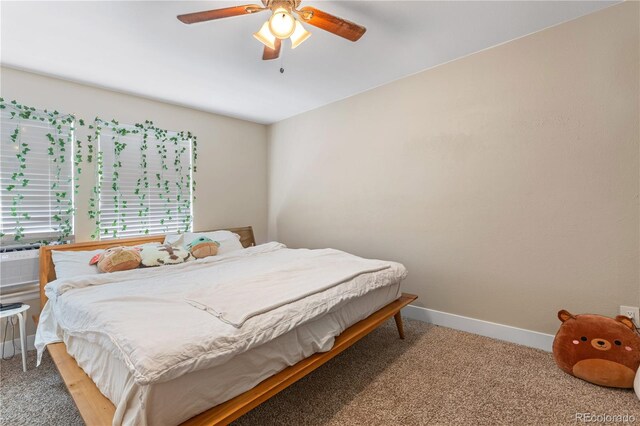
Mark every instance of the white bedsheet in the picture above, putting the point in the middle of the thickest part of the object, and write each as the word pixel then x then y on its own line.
pixel 141 317
pixel 290 275
pixel 173 402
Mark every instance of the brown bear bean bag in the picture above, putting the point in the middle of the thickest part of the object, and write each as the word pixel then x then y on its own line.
pixel 600 350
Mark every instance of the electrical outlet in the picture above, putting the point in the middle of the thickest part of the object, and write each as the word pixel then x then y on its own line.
pixel 632 312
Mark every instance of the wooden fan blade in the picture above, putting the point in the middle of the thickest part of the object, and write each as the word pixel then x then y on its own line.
pixel 269 53
pixel 227 12
pixel 333 24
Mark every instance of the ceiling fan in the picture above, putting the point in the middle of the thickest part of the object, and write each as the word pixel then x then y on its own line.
pixel 282 24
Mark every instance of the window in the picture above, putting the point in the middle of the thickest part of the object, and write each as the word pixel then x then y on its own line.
pixel 145 181
pixel 36 175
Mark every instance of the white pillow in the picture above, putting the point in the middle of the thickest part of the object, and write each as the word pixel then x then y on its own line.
pixel 214 235
pixel 185 238
pixel 73 263
pixel 229 242
pixel 229 245
pixel 174 239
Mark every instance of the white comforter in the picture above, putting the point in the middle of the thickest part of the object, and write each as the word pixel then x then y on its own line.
pixel 143 316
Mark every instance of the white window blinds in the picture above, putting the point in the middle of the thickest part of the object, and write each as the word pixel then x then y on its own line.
pixel 145 181
pixel 36 175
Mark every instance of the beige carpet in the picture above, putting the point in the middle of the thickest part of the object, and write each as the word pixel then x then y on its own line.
pixel 435 376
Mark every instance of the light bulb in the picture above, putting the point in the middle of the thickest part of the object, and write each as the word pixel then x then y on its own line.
pixel 299 35
pixel 265 36
pixel 281 23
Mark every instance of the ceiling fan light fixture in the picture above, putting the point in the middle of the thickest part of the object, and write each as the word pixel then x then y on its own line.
pixel 285 21
pixel 300 34
pixel 265 36
pixel 282 24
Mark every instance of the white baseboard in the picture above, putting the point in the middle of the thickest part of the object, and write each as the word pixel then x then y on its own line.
pixel 8 347
pixel 494 330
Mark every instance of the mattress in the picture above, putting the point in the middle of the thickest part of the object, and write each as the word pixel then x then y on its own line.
pixel 169 321
pixel 174 401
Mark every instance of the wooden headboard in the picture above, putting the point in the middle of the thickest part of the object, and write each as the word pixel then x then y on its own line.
pixel 48 271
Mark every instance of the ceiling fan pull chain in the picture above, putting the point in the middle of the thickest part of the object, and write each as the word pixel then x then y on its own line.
pixel 282 54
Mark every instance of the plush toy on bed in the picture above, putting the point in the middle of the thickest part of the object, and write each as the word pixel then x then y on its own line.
pixel 203 247
pixel 117 259
pixel 600 350
pixel 163 254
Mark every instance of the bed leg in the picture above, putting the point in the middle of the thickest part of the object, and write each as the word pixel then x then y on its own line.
pixel 398 318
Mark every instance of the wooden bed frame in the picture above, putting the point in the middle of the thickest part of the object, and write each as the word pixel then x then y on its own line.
pixel 97 410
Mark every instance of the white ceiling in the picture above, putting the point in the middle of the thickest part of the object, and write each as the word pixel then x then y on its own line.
pixel 139 47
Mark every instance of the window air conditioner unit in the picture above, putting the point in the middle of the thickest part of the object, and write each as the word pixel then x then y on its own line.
pixel 19 268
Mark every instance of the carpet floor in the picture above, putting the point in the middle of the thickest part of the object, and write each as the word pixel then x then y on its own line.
pixel 436 376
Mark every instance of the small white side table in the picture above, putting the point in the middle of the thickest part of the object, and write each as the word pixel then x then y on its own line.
pixel 20 313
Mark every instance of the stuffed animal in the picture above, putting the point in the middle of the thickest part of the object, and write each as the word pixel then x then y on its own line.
pixel 600 350
pixel 118 259
pixel 163 254
pixel 203 247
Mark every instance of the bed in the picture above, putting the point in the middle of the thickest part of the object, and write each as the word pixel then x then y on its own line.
pixel 95 377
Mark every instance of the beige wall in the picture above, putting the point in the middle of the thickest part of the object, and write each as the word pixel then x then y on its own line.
pixel 506 181
pixel 232 168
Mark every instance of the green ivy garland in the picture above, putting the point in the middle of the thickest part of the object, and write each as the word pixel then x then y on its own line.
pixel 142 184
pixel 57 155
pixel 59 146
pixel 163 140
pixel 95 191
pixel 77 158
